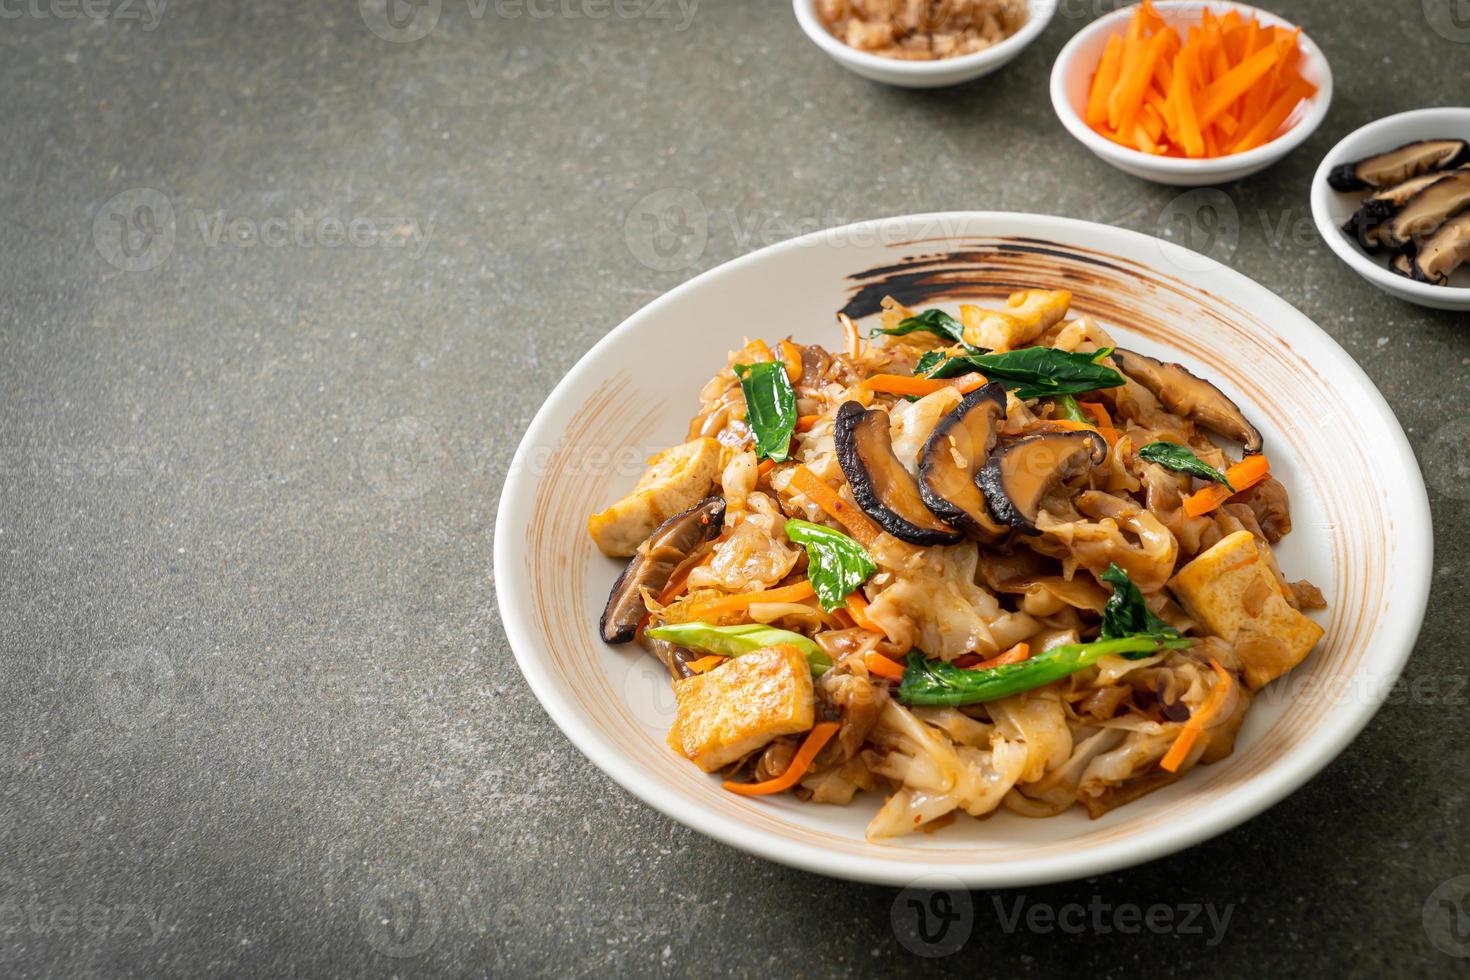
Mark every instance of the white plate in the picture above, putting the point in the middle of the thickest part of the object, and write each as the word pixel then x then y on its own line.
pixel 1362 530
pixel 1330 209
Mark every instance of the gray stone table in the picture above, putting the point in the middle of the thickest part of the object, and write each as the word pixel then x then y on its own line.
pixel 281 284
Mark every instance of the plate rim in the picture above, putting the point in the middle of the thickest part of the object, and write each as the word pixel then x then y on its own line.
pixel 1263 791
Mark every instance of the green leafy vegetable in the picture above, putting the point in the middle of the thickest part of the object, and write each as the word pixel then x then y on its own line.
pixel 770 407
pixel 1031 372
pixel 734 641
pixel 1175 457
pixel 1126 615
pixel 936 321
pixel 837 564
pixel 1068 408
pixel 934 682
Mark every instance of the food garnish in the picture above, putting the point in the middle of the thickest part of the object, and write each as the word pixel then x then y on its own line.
pixel 735 641
pixel 770 407
pixel 1180 459
pixel 837 564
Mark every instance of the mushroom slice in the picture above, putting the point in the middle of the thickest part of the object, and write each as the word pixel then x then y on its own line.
pixel 655 560
pixel 1439 257
pixel 1185 394
pixel 1365 223
pixel 1403 265
pixel 1015 478
pixel 1398 165
pixel 881 485
pixel 954 453
pixel 1422 214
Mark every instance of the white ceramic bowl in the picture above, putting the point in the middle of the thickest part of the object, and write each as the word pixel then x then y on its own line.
pixel 1359 510
pixel 1072 75
pixel 924 74
pixel 1330 208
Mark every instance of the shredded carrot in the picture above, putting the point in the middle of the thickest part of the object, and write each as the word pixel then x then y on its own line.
pixel 1242 475
pixel 804 423
pixel 858 524
pixel 857 608
pixel 744 600
pixel 854 339
pixel 1225 85
pixel 791 357
pixel 765 467
pixel 883 666
pixel 1104 82
pixel 1105 425
pixel 1214 701
pixel 903 384
pixel 706 663
pixel 1016 654
pixel 815 741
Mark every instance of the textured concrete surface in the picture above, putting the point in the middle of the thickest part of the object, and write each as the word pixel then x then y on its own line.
pixel 281 284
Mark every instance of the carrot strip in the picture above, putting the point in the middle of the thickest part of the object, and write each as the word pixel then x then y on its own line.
pixel 903 384
pixel 791 357
pixel 1214 701
pixel 805 423
pixel 1127 97
pixel 1237 81
pixel 1105 426
pixel 1242 476
pixel 1103 82
pixel 857 608
pixel 706 663
pixel 1193 141
pixel 854 339
pixel 883 666
pixel 736 603
pixel 765 467
pixel 815 741
pixel 1282 107
pixel 858 524
pixel 1016 654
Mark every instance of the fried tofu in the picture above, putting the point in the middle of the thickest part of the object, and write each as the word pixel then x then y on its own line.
pixel 677 479
pixel 1028 314
pixel 1230 590
pixel 741 705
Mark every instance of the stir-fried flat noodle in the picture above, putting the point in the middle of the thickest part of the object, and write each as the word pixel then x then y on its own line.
pixel 1024 582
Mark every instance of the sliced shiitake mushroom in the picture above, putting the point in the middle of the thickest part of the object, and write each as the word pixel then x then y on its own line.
pixel 1446 250
pixel 652 564
pixel 1421 215
pixel 1183 393
pixel 1365 223
pixel 953 455
pixel 881 485
pixel 1016 477
pixel 1398 165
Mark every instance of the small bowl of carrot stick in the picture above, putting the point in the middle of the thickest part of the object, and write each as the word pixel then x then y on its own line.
pixel 1189 93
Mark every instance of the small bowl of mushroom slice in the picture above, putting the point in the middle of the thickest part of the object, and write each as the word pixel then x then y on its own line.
pixel 1393 201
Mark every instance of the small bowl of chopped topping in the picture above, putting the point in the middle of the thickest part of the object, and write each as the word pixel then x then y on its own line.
pixel 1191 93
pixel 923 43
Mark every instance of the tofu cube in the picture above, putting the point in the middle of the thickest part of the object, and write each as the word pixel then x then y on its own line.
pixel 741 705
pixel 677 479
pixel 1232 592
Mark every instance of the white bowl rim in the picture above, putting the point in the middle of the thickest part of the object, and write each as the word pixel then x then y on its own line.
pixel 1261 792
pixel 1359 261
pixel 1263 154
pixel 806 16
